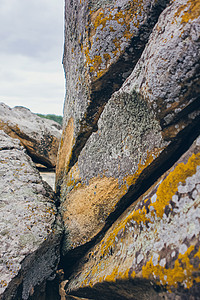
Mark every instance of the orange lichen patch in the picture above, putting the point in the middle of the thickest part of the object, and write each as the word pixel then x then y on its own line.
pixel 103 18
pixel 109 241
pixel 198 253
pixel 169 186
pixel 65 150
pixel 116 274
pixel 100 197
pixel 88 206
pixel 165 191
pixel 189 11
pixel 181 273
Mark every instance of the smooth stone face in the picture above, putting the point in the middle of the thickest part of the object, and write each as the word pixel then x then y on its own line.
pixel 103 42
pixel 49 177
pixel 143 125
pixel 30 233
pixel 154 244
pixel 39 136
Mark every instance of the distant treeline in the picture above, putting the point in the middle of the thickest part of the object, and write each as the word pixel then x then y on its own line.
pixel 55 118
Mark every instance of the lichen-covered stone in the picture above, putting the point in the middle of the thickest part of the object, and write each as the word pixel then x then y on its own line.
pixel 39 136
pixel 30 233
pixel 134 138
pixel 154 244
pixel 167 75
pixel 103 42
pixel 127 141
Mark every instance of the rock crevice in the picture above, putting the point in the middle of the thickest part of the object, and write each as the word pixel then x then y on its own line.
pixel 131 121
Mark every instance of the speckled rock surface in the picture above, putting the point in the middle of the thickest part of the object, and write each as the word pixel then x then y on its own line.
pixel 128 140
pixel 103 42
pixel 39 136
pixel 167 75
pixel 30 233
pixel 143 125
pixel 153 250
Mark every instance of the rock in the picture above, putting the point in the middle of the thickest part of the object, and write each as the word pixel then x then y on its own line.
pixel 30 231
pixel 142 131
pixel 168 74
pixel 49 177
pixel 39 136
pixel 153 250
pixel 103 42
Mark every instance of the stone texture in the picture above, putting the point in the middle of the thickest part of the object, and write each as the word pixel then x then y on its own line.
pixel 153 250
pixel 142 128
pixel 30 233
pixel 168 74
pixel 103 42
pixel 128 140
pixel 39 136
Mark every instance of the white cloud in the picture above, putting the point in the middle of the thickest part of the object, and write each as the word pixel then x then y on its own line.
pixel 31 72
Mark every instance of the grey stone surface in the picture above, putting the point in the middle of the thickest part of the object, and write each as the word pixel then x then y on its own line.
pixel 103 42
pixel 39 136
pixel 127 133
pixel 30 232
pixel 143 125
pixel 154 244
pixel 167 75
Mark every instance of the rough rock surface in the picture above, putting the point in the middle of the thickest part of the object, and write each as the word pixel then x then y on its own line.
pixel 142 129
pixel 128 171
pixel 39 136
pixel 103 42
pixel 153 250
pixel 30 233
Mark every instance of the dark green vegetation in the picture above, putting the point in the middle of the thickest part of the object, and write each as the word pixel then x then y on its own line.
pixel 55 118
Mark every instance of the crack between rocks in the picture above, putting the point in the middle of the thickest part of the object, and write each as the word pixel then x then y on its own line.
pixel 148 177
pixel 103 88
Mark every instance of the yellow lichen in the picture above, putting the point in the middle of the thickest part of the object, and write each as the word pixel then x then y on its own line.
pixel 102 18
pixel 189 11
pixel 131 179
pixel 183 271
pixel 169 186
pixel 65 151
pixel 170 277
pixel 116 274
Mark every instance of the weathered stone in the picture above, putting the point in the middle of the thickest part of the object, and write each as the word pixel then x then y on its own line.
pixel 168 74
pixel 153 250
pixel 30 233
pixel 103 42
pixel 135 141
pixel 128 140
pixel 39 136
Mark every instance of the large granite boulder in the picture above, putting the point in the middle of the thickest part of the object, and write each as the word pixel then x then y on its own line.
pixel 39 136
pixel 143 129
pixel 153 250
pixel 103 42
pixel 30 231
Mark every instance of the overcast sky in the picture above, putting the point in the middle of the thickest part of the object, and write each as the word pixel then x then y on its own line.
pixel 31 49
